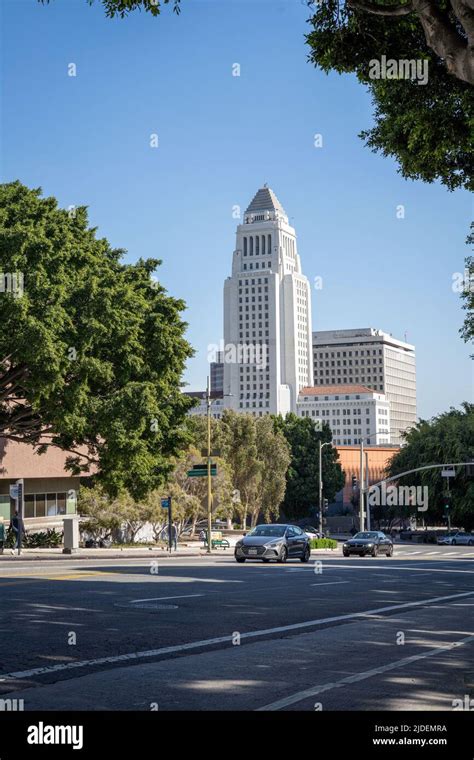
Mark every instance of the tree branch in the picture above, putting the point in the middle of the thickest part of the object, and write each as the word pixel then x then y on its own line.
pixel 464 11
pixel 442 37
pixel 382 10
pixel 440 33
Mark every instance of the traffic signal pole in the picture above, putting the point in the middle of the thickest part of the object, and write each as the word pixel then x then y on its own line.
pixel 361 486
pixel 209 481
pixel 321 504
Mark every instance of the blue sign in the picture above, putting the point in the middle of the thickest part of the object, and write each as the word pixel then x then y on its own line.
pixel 165 503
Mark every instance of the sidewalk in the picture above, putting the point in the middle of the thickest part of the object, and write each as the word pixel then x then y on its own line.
pixel 148 553
pixel 138 553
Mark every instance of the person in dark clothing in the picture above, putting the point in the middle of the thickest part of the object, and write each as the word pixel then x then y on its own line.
pixel 16 526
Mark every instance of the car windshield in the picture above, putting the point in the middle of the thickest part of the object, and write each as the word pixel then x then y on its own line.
pixel 268 530
pixel 366 534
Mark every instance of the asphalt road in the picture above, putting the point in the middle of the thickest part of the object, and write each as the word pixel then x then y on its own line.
pixel 206 634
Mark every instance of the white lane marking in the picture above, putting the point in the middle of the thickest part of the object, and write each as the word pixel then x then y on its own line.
pixel 226 639
pixel 369 566
pixel 299 696
pixel 408 554
pixel 327 583
pixel 161 598
pixel 64 608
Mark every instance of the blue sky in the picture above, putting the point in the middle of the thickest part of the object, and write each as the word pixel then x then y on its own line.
pixel 86 140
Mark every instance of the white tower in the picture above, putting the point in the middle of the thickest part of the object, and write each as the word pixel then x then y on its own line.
pixel 267 314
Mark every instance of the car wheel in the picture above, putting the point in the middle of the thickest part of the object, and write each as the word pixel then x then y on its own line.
pixel 284 555
pixel 453 542
pixel 265 559
pixel 375 551
pixel 240 559
pixel 390 552
pixel 306 555
pixel 346 554
pixel 470 543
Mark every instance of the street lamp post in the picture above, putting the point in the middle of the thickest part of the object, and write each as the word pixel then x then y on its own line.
pixel 364 483
pixel 209 464
pixel 321 446
pixel 209 481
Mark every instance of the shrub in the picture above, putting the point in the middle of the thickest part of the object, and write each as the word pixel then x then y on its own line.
pixel 45 539
pixel 323 543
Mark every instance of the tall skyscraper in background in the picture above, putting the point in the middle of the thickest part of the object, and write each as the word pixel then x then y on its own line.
pixel 267 314
pixel 217 373
pixel 374 359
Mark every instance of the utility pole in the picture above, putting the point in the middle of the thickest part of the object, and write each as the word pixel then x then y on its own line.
pixel 367 506
pixel 361 486
pixel 209 481
pixel 21 502
pixel 170 524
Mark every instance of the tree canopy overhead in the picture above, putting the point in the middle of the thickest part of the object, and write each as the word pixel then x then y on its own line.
pixel 122 8
pixel 427 128
pixel 302 476
pixel 447 438
pixel 92 352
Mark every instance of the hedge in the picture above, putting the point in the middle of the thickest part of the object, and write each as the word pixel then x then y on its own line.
pixel 323 543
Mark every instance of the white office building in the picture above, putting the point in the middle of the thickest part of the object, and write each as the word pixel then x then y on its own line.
pixel 374 359
pixel 267 314
pixel 353 412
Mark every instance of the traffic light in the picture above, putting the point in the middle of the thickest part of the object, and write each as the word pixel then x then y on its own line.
pixel 446 502
pixel 325 503
pixel 354 482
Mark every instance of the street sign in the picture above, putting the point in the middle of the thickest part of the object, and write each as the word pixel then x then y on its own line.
pixel 14 491
pixel 448 473
pixel 165 503
pixel 200 471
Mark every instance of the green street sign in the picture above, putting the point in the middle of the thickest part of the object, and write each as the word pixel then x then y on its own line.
pixel 200 471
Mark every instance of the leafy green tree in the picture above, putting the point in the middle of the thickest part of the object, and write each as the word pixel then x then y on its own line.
pixel 427 128
pixel 467 293
pixel 273 452
pixel 238 445
pixel 153 512
pixel 192 492
pixel 302 477
pixel 445 439
pixel 95 504
pixel 122 8
pixel 92 350
pixel 132 515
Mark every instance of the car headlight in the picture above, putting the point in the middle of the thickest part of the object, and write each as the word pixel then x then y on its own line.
pixel 369 545
pixel 273 545
pixel 344 546
pixel 239 544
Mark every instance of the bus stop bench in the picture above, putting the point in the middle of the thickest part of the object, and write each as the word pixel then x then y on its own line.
pixel 221 543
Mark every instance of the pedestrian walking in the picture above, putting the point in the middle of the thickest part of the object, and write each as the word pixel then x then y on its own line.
pixel 16 525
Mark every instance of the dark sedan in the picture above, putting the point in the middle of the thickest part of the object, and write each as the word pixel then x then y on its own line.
pixel 277 542
pixel 371 542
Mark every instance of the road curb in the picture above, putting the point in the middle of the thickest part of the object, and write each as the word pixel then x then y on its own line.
pixel 153 554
